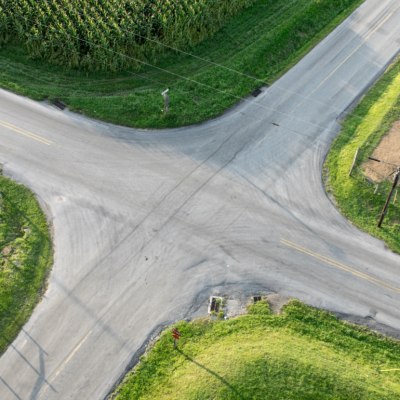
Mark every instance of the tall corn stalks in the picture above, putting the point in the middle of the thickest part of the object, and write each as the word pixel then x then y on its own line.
pixel 52 29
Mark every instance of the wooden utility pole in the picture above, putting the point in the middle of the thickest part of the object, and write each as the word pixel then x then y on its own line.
pixel 396 179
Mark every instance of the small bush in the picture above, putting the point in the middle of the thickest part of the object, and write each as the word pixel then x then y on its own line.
pixel 259 308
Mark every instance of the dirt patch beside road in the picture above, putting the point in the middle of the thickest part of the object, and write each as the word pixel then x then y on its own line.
pixel 277 301
pixel 388 150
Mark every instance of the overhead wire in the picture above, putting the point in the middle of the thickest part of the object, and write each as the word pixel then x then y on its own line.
pixel 142 77
pixel 348 205
pixel 238 72
pixel 229 94
pixel 209 100
pixel 202 84
pixel 364 193
pixel 190 94
pixel 261 119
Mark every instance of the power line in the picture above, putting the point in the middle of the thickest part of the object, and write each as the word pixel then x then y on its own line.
pixel 261 119
pixel 235 71
pixel 190 94
pixel 237 112
pixel 246 99
pixel 191 80
pixel 173 48
pixel 368 190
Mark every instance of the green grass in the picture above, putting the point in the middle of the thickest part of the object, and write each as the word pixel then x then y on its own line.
pixel 24 271
pixel 355 195
pixel 304 353
pixel 264 41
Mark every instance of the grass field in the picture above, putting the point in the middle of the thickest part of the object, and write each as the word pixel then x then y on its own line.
pixel 304 353
pixel 355 195
pixel 263 41
pixel 23 271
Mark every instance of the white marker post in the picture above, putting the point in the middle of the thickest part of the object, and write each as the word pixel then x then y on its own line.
pixel 166 100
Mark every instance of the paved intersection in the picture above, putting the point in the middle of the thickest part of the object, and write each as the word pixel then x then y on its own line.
pixel 148 224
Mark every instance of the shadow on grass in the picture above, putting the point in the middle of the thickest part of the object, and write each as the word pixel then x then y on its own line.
pixel 224 381
pixel 285 378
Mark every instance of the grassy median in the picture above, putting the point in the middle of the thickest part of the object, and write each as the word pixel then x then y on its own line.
pixel 355 195
pixel 304 353
pixel 26 257
pixel 263 41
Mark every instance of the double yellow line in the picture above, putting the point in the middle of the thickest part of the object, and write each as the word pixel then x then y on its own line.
pixel 25 133
pixel 341 266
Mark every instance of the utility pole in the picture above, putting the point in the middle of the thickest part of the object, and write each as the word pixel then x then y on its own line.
pixel 396 179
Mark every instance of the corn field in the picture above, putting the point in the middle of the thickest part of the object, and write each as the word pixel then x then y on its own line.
pixel 70 32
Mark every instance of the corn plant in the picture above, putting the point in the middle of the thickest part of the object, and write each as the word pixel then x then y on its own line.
pixel 73 32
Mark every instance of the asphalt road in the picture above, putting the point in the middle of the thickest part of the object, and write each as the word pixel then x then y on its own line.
pixel 147 225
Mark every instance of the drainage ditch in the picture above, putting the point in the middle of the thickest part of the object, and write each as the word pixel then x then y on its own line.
pixel 214 304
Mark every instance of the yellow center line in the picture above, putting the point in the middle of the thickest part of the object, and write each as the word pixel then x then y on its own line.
pixel 335 265
pixel 25 133
pixel 266 136
pixel 355 49
pixel 23 130
pixel 65 363
pixel 345 266
pixel 350 55
pixel 341 266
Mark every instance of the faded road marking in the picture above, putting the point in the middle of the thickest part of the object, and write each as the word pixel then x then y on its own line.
pixel 65 363
pixel 355 49
pixel 341 266
pixel 332 73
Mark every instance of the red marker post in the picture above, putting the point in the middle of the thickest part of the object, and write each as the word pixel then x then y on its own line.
pixel 176 334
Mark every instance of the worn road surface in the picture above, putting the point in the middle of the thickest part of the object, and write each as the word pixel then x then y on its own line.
pixel 147 225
